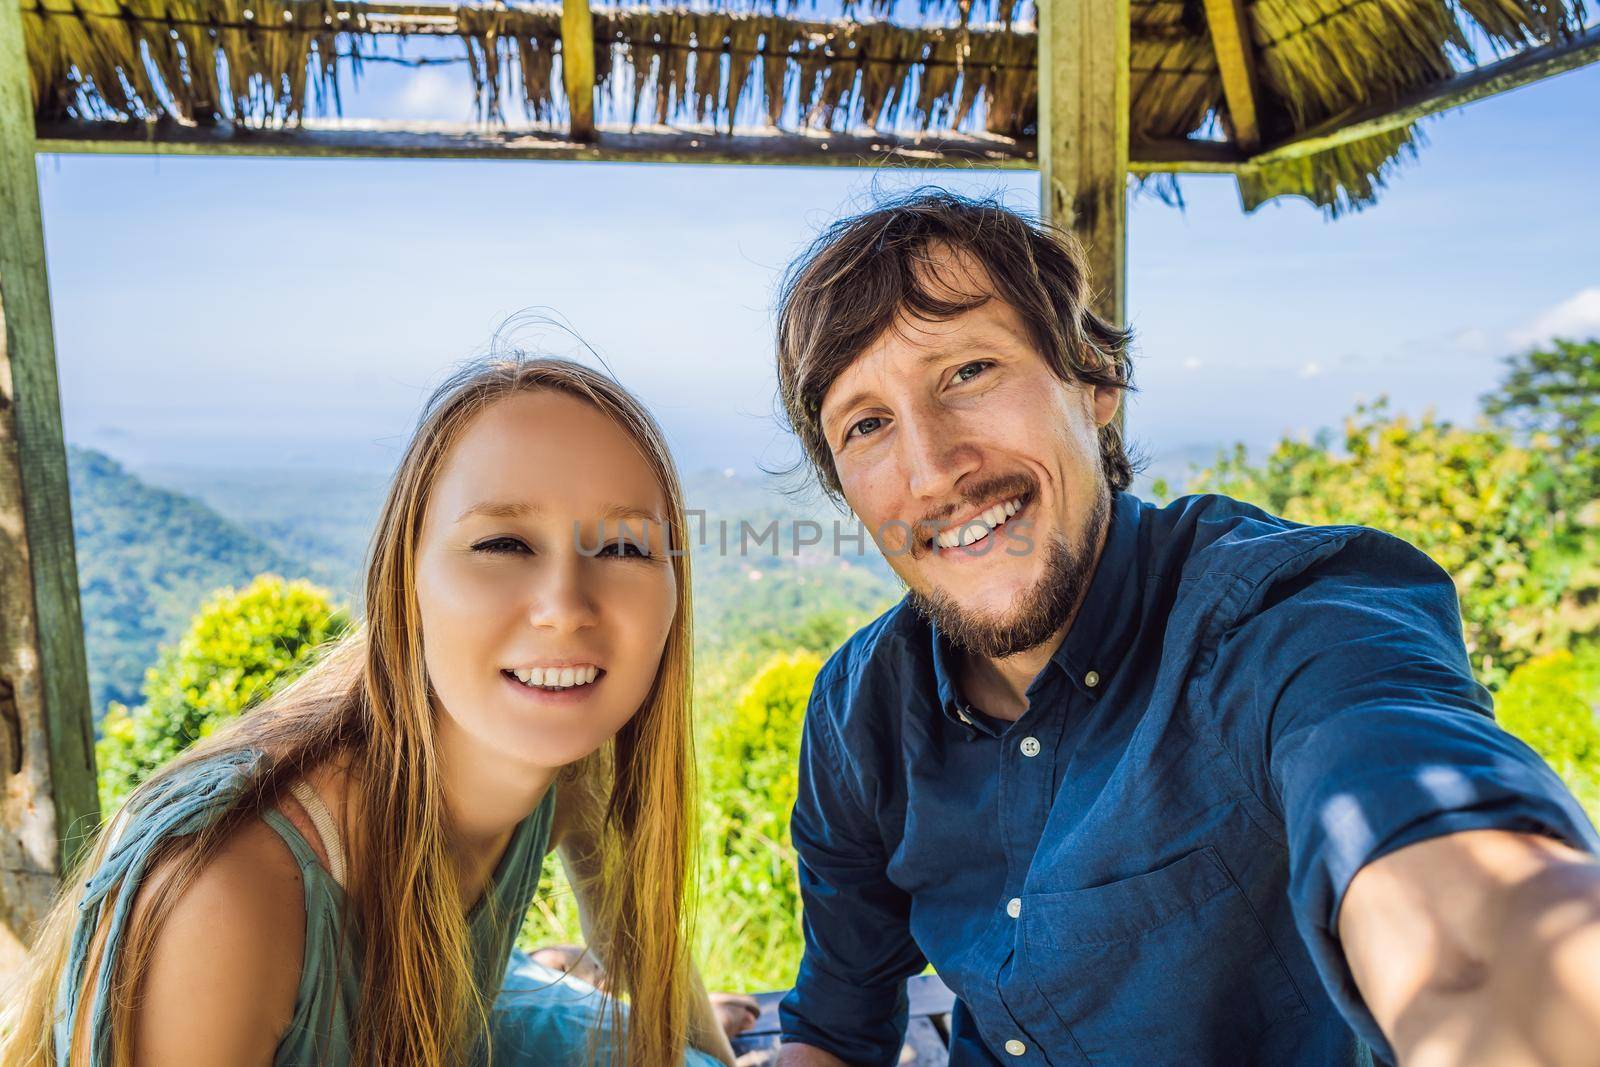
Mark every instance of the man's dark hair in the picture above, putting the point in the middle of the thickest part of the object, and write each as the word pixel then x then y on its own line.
pixel 865 272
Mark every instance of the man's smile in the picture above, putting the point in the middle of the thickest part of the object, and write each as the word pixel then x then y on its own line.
pixel 972 538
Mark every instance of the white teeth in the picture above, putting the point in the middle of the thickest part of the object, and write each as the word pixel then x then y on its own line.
pixel 978 527
pixel 556 677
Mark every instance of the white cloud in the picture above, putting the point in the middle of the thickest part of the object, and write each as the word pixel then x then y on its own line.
pixel 433 94
pixel 1475 342
pixel 1577 317
pixel 1312 369
pixel 1192 363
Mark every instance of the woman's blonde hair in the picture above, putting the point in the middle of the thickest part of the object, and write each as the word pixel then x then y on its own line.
pixel 368 701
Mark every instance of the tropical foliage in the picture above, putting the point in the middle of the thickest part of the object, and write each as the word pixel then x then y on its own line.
pixel 1485 507
pixel 1553 703
pixel 240 646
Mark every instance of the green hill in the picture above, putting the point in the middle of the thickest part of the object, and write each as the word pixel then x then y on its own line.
pixel 147 558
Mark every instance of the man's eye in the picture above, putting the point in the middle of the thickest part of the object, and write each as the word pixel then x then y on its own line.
pixel 499 546
pixel 981 364
pixel 866 426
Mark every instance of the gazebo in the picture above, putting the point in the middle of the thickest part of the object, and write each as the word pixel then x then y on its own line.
pixel 1316 98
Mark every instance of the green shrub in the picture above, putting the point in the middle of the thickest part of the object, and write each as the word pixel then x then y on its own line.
pixel 749 896
pixel 1553 703
pixel 1470 497
pixel 239 647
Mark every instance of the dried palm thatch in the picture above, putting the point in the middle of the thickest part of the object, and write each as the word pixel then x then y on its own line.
pixel 268 63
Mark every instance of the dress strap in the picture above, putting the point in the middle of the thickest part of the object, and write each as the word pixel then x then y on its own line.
pixel 327 828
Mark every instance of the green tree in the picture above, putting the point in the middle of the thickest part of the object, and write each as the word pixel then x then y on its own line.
pixel 1470 497
pixel 1554 391
pixel 238 648
pixel 1553 703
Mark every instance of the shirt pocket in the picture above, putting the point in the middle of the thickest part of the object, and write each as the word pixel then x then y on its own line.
pixel 1168 967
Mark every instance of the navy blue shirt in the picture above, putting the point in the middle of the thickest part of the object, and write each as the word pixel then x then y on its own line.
pixel 1146 867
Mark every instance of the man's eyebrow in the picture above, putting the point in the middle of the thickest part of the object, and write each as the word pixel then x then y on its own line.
pixel 516 509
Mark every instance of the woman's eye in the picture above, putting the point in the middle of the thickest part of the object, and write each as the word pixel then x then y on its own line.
pixel 981 364
pixel 866 426
pixel 500 546
pixel 626 549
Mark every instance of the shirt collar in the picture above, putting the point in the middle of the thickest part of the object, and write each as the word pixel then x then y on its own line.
pixel 1102 631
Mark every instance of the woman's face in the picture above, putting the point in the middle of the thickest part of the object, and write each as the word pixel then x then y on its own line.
pixel 533 577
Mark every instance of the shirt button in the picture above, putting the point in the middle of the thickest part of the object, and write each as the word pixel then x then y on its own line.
pixel 1014 907
pixel 1030 746
pixel 1015 1047
pixel 1091 679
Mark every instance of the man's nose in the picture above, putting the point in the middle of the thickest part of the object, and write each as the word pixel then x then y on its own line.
pixel 935 456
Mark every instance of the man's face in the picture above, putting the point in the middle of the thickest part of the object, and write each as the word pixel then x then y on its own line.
pixel 941 429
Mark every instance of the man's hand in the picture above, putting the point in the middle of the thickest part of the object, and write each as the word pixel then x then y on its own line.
pixel 806 1056
pixel 735 1011
pixel 1480 947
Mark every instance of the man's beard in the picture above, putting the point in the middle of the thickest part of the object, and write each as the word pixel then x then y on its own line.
pixel 1041 611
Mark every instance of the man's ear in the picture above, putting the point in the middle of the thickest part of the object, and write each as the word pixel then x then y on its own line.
pixel 1105 399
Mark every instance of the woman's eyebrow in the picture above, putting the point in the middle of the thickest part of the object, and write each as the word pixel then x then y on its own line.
pixel 495 509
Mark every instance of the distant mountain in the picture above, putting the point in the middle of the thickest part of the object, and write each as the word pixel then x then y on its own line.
pixel 147 559
pixel 321 517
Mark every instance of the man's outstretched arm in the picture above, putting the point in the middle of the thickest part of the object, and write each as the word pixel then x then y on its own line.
pixel 1480 947
pixel 1426 870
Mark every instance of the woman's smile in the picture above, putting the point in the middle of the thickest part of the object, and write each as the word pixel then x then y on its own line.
pixel 569 686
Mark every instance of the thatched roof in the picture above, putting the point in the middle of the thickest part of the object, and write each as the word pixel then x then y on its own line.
pixel 948 66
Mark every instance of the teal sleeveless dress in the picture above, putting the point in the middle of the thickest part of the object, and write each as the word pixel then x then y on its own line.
pixel 329 986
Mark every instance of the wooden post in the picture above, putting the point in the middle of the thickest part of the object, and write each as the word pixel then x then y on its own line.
pixel 1083 135
pixel 577 66
pixel 47 783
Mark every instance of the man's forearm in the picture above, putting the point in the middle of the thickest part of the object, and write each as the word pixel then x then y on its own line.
pixel 1538 1000
pixel 807 1056
pixel 1480 949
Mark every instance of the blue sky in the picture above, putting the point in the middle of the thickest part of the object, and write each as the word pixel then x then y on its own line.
pixel 249 312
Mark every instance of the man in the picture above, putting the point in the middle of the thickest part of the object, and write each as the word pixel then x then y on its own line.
pixel 1182 785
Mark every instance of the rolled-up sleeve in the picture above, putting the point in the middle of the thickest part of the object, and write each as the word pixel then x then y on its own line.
pixel 1353 708
pixel 849 997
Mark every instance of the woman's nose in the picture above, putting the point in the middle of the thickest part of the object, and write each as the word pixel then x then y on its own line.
pixel 561 598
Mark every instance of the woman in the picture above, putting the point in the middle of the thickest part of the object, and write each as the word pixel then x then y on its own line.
pixel 338 876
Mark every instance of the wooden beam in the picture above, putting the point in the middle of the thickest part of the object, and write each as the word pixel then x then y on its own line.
pixel 1526 67
pixel 577 66
pixel 1083 135
pixel 368 139
pixel 1236 62
pixel 652 144
pixel 47 788
pixel 1185 157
